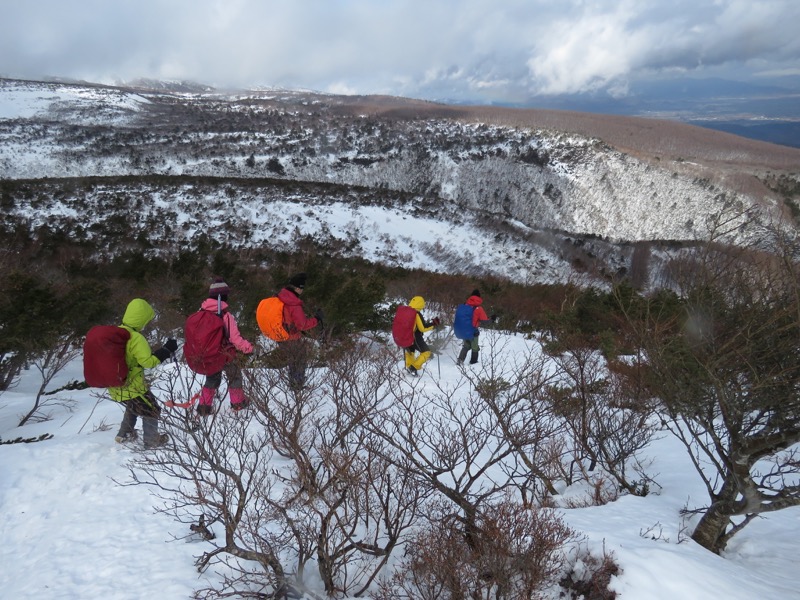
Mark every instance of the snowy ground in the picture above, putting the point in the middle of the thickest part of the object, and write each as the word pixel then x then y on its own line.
pixel 69 530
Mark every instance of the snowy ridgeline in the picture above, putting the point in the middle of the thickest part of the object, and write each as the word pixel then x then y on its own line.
pixel 541 179
pixel 405 234
pixel 72 528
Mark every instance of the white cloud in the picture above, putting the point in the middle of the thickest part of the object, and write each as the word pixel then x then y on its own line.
pixel 456 49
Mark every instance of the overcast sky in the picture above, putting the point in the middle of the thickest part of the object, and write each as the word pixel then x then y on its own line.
pixel 468 50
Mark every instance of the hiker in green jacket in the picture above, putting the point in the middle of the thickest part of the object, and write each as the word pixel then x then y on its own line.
pixel 138 399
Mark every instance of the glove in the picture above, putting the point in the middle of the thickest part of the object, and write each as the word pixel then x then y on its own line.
pixel 320 316
pixel 436 322
pixel 493 318
pixel 171 345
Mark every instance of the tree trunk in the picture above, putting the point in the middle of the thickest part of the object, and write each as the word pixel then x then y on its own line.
pixel 710 531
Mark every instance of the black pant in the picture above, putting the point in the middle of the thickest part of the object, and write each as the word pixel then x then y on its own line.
pixel 295 355
pixel 420 345
pixel 232 371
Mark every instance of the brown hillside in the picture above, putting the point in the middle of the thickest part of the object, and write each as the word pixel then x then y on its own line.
pixel 654 139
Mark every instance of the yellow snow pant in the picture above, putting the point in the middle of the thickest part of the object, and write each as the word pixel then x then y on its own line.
pixel 417 362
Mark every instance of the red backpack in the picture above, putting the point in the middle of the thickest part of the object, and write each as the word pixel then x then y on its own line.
pixel 104 356
pixel 206 347
pixel 403 326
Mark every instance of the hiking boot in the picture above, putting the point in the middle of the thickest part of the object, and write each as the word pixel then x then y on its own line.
pixel 205 410
pixel 462 356
pixel 237 406
pixel 412 371
pixel 161 439
pixel 131 436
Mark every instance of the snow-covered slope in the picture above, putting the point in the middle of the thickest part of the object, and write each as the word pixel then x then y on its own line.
pixel 527 192
pixel 70 530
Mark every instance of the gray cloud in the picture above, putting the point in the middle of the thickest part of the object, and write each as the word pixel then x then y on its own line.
pixel 474 50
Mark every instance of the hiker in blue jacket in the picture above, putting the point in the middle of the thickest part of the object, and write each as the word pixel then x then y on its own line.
pixel 467 326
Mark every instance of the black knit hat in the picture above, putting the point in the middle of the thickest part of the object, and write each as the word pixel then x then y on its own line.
pixel 218 288
pixel 476 293
pixel 298 281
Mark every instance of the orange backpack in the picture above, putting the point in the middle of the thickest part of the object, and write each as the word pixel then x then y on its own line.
pixel 269 316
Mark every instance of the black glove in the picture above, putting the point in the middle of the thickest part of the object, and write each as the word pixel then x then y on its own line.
pixel 320 316
pixel 493 318
pixel 166 350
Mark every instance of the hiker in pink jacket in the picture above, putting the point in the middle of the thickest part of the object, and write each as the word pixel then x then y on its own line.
pixel 218 299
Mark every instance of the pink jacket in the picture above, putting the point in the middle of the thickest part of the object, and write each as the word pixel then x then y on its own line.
pixel 228 320
pixel 293 314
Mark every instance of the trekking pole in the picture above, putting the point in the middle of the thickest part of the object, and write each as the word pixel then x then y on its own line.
pixel 438 347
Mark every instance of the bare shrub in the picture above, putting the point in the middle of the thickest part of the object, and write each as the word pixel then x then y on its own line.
pixel 344 503
pixel 324 482
pixel 590 575
pixel 600 490
pixel 295 483
pixel 610 424
pixel 218 473
pixel 514 391
pixel 449 440
pixel 517 554
pixel 50 363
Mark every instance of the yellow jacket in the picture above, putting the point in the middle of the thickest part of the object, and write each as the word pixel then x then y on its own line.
pixel 418 303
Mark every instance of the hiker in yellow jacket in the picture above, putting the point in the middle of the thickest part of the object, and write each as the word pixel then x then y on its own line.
pixel 404 319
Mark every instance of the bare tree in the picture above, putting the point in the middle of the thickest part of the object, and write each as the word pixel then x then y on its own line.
pixel 295 483
pixel 515 391
pixel 726 364
pixel 640 265
pixel 610 424
pixel 50 363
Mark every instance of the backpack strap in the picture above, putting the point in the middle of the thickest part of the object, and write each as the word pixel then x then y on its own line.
pixel 288 324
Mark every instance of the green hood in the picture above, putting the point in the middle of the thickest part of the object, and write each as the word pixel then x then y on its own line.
pixel 138 314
